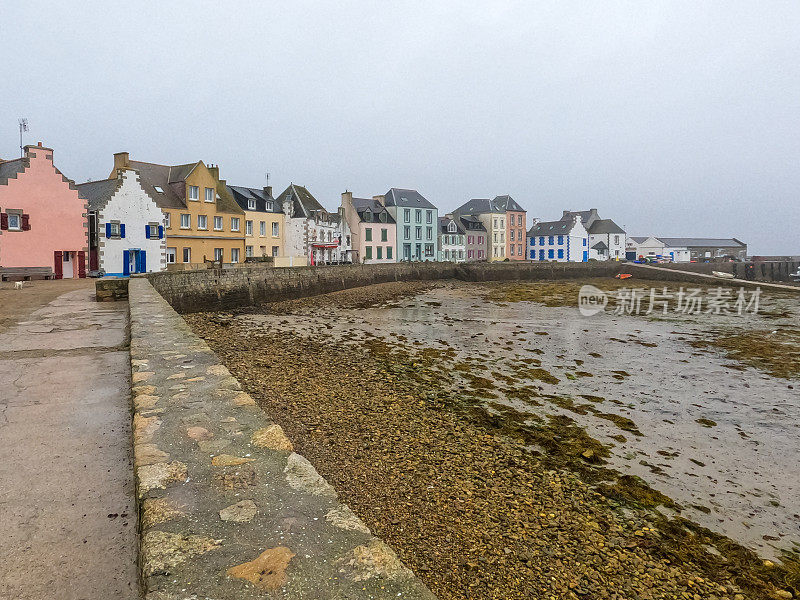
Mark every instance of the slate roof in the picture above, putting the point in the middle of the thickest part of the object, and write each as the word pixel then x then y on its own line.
pixel 471 223
pixel 98 193
pixel 9 169
pixel 444 222
pixel 506 203
pixel 304 205
pixel 703 242
pixel 600 246
pixel 476 206
pixel 361 205
pixel 637 239
pixel 407 198
pixel 152 175
pixel 242 195
pixel 605 226
pixel 571 214
pixel 551 228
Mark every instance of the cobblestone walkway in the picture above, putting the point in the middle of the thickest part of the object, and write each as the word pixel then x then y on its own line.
pixel 67 518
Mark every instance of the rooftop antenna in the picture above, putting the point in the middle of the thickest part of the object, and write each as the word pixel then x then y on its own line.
pixel 23 126
pixel 267 176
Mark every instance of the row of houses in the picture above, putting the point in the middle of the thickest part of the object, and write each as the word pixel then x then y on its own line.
pixel 148 217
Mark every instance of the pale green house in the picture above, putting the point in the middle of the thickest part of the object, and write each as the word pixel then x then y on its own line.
pixel 417 224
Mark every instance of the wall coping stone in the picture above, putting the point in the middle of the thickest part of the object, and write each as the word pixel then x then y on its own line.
pixel 227 508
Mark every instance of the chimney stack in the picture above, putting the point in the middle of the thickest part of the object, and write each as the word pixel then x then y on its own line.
pixel 268 191
pixel 121 161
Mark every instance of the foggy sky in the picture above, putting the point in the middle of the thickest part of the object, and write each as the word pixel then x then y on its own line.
pixel 672 118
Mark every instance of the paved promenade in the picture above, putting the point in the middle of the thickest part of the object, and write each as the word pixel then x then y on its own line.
pixel 67 517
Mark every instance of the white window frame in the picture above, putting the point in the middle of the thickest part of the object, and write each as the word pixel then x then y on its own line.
pixel 251 204
pixel 219 254
pixel 194 193
pixel 248 228
pixel 262 229
pixel 187 219
pixel 202 222
pixel 152 232
pixel 234 256
pixel 218 223
pixel 187 255
pixel 172 253
pixel 276 231
pixel 114 229
pixel 209 194
pixel 235 224
pixel 248 252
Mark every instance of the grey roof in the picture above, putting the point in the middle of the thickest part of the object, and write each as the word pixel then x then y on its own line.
pixel 569 214
pixel 152 175
pixel 371 207
pixel 600 246
pixel 605 226
pixel 444 222
pixel 471 223
pixel 703 242
pixel 9 169
pixel 476 206
pixel 98 193
pixel 551 228
pixel 407 198
pixel 242 196
pixel 637 239
pixel 506 203
pixel 304 205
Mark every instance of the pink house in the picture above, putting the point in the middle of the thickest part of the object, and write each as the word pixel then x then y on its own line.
pixel 43 226
pixel 373 230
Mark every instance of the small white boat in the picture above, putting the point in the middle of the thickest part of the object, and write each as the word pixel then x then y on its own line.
pixel 722 275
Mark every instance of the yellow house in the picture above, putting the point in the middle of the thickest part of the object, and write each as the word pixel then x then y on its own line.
pixel 201 221
pixel 264 221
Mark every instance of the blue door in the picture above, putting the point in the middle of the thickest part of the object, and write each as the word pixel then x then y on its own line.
pixel 585 255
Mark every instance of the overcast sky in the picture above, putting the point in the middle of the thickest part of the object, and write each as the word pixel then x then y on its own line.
pixel 672 118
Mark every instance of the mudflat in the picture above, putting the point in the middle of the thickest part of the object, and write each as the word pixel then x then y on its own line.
pixel 507 447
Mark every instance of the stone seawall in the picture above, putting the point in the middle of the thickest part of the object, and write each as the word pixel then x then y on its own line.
pixel 227 508
pixel 777 271
pixel 221 289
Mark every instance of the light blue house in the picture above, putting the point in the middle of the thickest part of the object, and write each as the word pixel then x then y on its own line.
pixel 417 224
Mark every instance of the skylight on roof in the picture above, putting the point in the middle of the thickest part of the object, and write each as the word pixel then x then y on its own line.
pixel 158 188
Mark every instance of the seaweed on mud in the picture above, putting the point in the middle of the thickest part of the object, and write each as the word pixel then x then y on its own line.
pixel 776 352
pixel 623 423
pixel 706 422
pixel 632 489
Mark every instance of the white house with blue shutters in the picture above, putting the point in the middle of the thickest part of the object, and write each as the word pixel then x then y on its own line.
pixel 560 241
pixel 126 227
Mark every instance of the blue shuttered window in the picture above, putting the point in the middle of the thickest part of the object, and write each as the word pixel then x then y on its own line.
pixel 122 230
pixel 161 232
pixel 108 230
pixel 126 258
pixel 142 259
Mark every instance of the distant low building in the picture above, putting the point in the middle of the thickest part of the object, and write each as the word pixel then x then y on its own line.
pixel 685 249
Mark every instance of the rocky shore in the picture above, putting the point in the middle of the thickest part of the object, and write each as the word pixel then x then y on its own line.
pixel 478 504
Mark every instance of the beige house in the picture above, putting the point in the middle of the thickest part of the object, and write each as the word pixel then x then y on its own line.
pixel 493 219
pixel 264 221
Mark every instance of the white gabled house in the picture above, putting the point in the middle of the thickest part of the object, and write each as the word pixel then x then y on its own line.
pixel 126 226
pixel 606 238
pixel 560 241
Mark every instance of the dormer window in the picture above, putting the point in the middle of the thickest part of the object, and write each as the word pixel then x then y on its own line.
pixel 451 227
pixel 251 204
pixel 269 204
pixel 368 215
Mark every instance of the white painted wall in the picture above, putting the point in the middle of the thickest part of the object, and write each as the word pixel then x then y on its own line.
pixel 572 246
pixel 132 206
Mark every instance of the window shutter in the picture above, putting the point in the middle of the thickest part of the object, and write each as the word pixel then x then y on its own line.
pixel 126 264
pixel 3 221
pixel 108 231
pixel 161 232
pixel 81 264
pixel 147 232
pixel 122 230
pixel 58 257
pixel 26 222
pixel 142 261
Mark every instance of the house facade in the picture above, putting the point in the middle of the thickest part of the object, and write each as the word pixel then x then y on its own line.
pixel 475 236
pixel 264 221
pixel 452 240
pixel 372 229
pixel 417 222
pixel 515 222
pixel 201 221
pixel 708 249
pixel 494 221
pixel 312 232
pixel 126 226
pixel 43 220
pixel 606 238
pixel 560 241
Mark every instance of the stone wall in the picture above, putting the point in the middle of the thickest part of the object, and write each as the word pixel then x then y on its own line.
pixel 111 289
pixel 227 508
pixel 220 289
pixel 778 271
